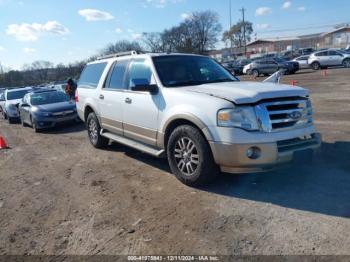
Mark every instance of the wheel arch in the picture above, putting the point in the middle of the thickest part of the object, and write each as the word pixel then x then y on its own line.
pixel 184 119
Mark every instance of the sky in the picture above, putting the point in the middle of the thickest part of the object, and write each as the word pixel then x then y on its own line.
pixel 64 31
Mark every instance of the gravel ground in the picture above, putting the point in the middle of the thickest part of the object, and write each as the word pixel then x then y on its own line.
pixel 58 195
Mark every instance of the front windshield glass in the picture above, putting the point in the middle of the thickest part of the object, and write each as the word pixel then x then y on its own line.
pixel 48 98
pixel 186 70
pixel 16 94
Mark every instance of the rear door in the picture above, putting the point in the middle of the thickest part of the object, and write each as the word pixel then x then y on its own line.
pixel 336 58
pixel 111 98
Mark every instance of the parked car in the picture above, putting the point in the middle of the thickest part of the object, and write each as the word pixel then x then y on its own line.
pixel 2 101
pixel 189 109
pixel 305 51
pixel 327 58
pixel 236 67
pixel 303 61
pixel 46 108
pixel 269 66
pixel 13 98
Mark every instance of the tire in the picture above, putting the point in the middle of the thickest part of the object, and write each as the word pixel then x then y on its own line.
pixel 190 157
pixel 34 126
pixel 346 63
pixel 316 66
pixel 94 129
pixel 255 73
pixel 10 120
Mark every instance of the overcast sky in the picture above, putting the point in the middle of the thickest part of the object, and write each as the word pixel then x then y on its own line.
pixel 66 31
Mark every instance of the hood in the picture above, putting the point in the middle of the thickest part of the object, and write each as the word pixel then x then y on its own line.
pixel 57 107
pixel 247 92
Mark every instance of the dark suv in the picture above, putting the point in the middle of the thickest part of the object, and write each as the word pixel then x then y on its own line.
pixel 269 66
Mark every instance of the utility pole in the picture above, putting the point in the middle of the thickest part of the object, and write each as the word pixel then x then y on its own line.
pixel 230 10
pixel 243 20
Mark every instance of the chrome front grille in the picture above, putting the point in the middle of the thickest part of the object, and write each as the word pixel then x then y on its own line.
pixel 278 115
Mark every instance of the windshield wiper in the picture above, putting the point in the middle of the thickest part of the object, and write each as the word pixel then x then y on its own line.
pixel 220 81
pixel 186 83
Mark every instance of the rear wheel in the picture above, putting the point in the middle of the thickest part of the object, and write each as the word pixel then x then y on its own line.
pixel 346 63
pixel 94 129
pixel 190 157
pixel 316 66
pixel 255 73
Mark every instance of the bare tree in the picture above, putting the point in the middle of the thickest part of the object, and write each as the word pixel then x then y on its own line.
pixel 120 46
pixel 154 42
pixel 235 34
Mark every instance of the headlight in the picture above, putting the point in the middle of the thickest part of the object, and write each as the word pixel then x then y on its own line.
pixel 242 117
pixel 40 113
pixel 11 107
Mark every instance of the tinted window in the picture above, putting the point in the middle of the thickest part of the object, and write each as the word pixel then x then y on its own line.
pixel 116 78
pixel 91 75
pixel 321 54
pixel 16 94
pixel 333 53
pixel 48 98
pixel 185 70
pixel 140 73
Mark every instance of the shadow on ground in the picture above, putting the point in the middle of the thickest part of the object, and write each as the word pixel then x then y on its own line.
pixel 322 187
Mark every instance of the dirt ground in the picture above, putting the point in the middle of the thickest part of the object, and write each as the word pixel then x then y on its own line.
pixel 59 195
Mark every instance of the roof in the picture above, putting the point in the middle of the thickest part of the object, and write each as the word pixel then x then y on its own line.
pixel 347 27
pixel 128 55
pixel 18 89
pixel 272 40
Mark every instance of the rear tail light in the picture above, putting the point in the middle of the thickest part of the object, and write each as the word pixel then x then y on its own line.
pixel 76 96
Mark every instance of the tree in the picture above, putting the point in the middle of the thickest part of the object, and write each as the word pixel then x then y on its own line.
pixel 120 46
pixel 154 42
pixel 197 34
pixel 236 35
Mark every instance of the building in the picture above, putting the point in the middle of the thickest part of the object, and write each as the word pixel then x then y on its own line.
pixel 337 38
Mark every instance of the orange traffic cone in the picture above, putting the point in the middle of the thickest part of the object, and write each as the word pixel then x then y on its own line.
pixel 3 144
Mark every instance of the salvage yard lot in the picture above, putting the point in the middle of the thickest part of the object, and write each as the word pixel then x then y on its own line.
pixel 59 195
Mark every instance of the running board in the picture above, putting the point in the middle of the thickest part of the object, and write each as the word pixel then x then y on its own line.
pixel 132 143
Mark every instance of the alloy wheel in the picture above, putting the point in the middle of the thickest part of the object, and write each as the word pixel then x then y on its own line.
pixel 186 156
pixel 93 131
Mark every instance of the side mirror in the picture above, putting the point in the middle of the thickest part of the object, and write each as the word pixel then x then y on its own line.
pixel 153 89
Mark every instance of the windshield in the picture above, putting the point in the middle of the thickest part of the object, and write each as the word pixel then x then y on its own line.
pixel 48 98
pixel 16 94
pixel 186 70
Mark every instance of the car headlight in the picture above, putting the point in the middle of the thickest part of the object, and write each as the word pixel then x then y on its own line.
pixel 36 111
pixel 242 117
pixel 11 107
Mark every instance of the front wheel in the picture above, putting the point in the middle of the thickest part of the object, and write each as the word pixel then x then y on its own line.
pixel 190 157
pixel 255 73
pixel 94 132
pixel 346 63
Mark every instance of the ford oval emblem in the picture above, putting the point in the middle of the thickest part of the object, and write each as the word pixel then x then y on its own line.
pixel 296 115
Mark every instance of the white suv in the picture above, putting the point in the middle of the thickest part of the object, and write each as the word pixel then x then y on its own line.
pixel 191 110
pixel 323 59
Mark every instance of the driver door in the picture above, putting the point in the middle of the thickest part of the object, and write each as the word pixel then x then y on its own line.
pixel 141 109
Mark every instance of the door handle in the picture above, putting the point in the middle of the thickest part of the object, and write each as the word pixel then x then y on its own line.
pixel 128 100
pixel 102 97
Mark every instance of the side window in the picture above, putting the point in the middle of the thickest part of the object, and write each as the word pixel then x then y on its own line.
pixel 90 77
pixel 321 54
pixel 140 73
pixel 117 76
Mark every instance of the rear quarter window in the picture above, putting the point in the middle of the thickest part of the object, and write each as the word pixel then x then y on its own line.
pixel 90 77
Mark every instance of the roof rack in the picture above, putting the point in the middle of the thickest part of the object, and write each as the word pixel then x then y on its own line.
pixel 133 52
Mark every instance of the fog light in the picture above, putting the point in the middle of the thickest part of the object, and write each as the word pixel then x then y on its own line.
pixel 254 152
